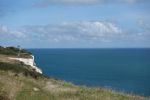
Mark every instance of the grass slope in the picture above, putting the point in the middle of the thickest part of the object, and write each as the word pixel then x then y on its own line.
pixel 16 85
pixel 12 51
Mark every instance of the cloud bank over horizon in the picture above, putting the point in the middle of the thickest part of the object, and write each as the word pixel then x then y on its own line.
pixel 75 23
pixel 87 32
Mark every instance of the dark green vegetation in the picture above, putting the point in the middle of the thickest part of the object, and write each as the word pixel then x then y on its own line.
pixel 19 68
pixel 20 82
pixel 12 51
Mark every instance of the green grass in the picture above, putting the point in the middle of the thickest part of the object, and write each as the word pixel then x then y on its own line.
pixel 13 67
pixel 19 68
pixel 22 87
pixel 12 51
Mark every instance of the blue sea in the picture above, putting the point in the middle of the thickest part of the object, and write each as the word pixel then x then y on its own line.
pixel 126 70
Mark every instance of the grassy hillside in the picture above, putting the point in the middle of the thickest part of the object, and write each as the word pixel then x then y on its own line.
pixel 19 82
pixel 13 51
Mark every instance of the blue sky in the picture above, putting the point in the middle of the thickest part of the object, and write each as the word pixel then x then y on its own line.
pixel 75 23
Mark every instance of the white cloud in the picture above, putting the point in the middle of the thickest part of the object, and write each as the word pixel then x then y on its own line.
pixel 144 24
pixel 18 34
pixel 78 32
pixel 5 31
pixel 96 30
pixel 84 33
pixel 75 1
pixel 87 2
pixel 67 2
pixel 129 1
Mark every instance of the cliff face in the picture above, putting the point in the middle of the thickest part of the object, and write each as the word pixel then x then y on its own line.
pixel 29 61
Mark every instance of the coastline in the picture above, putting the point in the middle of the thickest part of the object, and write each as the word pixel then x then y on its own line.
pixel 19 82
pixel 28 61
pixel 116 69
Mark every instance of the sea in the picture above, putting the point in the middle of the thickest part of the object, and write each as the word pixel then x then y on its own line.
pixel 125 69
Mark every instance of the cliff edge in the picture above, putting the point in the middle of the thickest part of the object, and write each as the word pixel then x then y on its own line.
pixel 29 61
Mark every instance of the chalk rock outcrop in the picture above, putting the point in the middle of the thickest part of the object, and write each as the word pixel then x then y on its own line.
pixel 29 61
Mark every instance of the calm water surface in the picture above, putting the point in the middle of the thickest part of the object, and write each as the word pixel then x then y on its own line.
pixel 125 70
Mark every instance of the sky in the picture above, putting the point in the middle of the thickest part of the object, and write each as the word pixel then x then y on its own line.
pixel 75 23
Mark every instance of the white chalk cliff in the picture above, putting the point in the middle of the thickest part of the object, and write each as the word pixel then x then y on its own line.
pixel 29 61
